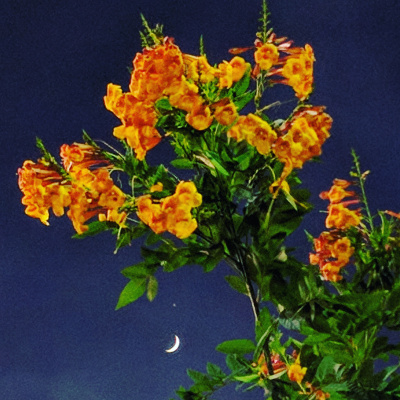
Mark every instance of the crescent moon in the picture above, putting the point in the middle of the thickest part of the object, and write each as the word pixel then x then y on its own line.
pixel 175 346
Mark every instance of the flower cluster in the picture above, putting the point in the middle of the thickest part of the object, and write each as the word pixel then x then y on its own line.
pixel 301 138
pixel 333 249
pixel 163 71
pixel 43 188
pixel 295 66
pixel 84 185
pixel 339 215
pixel 255 131
pixel 333 252
pixel 172 213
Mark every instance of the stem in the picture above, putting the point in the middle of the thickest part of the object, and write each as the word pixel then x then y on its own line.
pixel 361 182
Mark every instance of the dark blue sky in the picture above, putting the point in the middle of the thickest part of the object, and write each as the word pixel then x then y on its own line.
pixel 60 337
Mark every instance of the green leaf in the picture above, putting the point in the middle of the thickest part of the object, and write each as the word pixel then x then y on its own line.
pixel 95 227
pixel 182 163
pixel 236 346
pixel 236 283
pixel 124 239
pixel 316 338
pixel 213 158
pixel 326 368
pixel 215 371
pixel 235 364
pixel 132 291
pixel 140 270
pixel 163 104
pixel 242 101
pixel 336 387
pixel 153 238
pixel 202 381
pixel 242 85
pixel 248 378
pixel 152 288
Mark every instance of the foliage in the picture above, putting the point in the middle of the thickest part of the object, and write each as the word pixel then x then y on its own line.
pixel 244 200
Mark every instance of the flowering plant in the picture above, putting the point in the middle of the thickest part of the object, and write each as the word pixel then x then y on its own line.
pixel 239 202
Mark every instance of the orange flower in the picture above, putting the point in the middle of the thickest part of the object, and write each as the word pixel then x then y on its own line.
pixel 341 217
pixel 296 372
pixel 332 254
pixel 266 56
pixel 298 70
pixel 43 188
pixel 80 155
pixel 198 69
pixel 138 120
pixel 94 193
pixel 225 112
pixel 303 136
pixel 151 214
pixel 187 194
pixel 337 192
pixel 200 117
pixel 173 213
pixel 239 68
pixel 155 70
pixel 225 75
pixel 141 139
pixel 255 131
pixel 317 393
pixel 184 95
pixel 232 71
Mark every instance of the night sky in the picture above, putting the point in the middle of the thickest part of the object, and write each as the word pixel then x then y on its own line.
pixel 60 336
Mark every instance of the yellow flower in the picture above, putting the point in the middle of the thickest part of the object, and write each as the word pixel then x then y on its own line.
pixel 80 155
pixel 225 112
pixel 155 70
pixel 173 213
pixel 255 131
pixel 184 95
pixel 187 194
pixel 239 67
pixel 341 217
pixel 198 69
pixel 141 139
pixel 225 75
pixel 298 70
pixel 200 117
pixel 266 56
pixel 296 372
pixel 158 187
pixel 43 188
pixel 138 120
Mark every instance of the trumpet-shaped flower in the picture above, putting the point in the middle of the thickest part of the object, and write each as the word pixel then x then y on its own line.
pixel 81 155
pixel 341 217
pixel 225 112
pixel 155 70
pixel 172 213
pixel 298 70
pixel 266 55
pixel 255 131
pixel 232 71
pixel 200 117
pixel 338 191
pixel 198 69
pixel 296 372
pixel 332 254
pixel 43 188
pixel 184 95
